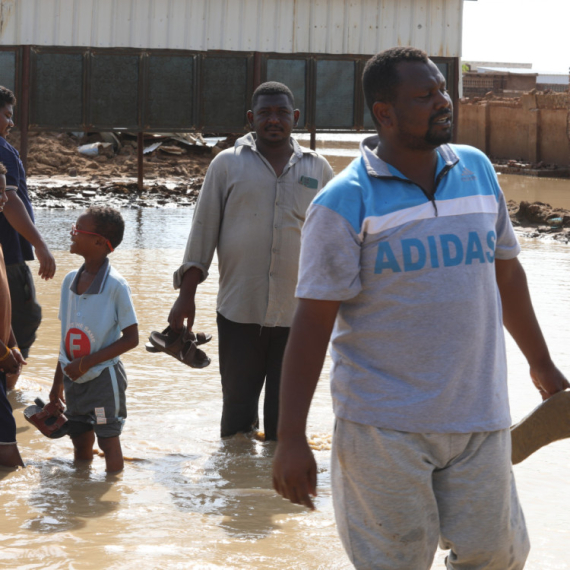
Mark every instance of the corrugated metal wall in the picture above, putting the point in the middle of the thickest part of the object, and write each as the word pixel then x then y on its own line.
pixel 282 26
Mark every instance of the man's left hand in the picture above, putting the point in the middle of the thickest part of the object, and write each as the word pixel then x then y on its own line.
pixel 548 380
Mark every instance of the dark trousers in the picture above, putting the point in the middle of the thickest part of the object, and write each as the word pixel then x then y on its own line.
pixel 249 356
pixel 26 311
pixel 7 422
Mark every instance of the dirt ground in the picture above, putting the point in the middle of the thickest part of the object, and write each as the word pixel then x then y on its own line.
pixel 60 176
pixel 51 154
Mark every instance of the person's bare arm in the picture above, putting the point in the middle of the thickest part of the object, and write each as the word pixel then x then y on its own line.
pixel 18 218
pixel 521 322
pixel 294 467
pixel 185 307
pixel 56 392
pixel 79 366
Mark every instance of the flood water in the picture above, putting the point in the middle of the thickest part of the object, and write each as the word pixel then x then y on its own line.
pixel 190 500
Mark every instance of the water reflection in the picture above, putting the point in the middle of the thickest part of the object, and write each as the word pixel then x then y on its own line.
pixel 67 496
pixel 164 228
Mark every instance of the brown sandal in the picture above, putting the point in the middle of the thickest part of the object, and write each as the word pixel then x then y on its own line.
pixel 201 338
pixel 182 345
pixel 547 423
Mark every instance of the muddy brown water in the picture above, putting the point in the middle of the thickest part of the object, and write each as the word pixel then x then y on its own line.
pixel 190 500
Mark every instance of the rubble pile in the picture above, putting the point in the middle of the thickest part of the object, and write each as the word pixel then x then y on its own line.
pixel 67 170
pixel 538 219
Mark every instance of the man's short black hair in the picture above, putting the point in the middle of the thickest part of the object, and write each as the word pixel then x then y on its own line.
pixel 380 77
pixel 109 223
pixel 6 97
pixel 272 88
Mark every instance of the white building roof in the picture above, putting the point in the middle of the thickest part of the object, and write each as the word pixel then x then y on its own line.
pixel 284 26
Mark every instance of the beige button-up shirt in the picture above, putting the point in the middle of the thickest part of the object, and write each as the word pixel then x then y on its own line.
pixel 254 219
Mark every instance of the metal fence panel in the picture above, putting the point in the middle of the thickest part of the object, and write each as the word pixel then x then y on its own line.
pixel 114 91
pixel 224 92
pixel 170 101
pixel 335 94
pixel 56 89
pixel 293 73
pixel 8 69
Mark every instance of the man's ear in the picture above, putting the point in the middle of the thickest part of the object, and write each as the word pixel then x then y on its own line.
pixel 249 116
pixel 383 113
pixel 296 115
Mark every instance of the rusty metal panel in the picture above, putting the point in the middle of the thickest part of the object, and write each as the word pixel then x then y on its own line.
pixel 225 93
pixel 280 26
pixel 293 73
pixel 56 89
pixel 8 69
pixel 114 91
pixel 170 101
pixel 335 94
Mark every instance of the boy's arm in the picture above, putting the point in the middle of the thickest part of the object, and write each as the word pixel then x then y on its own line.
pixel 294 467
pixel 56 392
pixel 129 340
pixel 18 218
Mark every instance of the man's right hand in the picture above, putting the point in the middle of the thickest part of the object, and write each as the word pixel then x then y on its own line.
pixel 295 471
pixel 47 262
pixel 183 308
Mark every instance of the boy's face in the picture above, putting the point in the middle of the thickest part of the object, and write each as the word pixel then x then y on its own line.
pixel 3 197
pixel 6 122
pixel 85 240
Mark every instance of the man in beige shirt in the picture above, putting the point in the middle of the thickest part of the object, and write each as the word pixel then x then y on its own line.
pixel 251 210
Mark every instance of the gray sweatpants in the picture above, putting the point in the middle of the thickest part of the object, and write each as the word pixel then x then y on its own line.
pixel 396 494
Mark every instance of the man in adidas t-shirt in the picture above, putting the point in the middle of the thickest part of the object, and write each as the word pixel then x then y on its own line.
pixel 409 259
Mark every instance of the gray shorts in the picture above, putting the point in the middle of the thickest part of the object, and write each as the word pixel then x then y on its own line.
pixel 99 404
pixel 397 494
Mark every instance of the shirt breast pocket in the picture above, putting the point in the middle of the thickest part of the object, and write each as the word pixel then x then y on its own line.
pixel 298 197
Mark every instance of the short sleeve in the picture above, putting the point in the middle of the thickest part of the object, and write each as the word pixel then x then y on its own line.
pixel 328 173
pixel 507 246
pixel 11 161
pixel 329 265
pixel 126 315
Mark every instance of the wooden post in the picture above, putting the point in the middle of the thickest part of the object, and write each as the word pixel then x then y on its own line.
pixel 313 138
pixel 24 106
pixel 140 165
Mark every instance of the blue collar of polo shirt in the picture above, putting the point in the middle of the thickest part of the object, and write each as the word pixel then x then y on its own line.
pixel 97 284
pixel 376 167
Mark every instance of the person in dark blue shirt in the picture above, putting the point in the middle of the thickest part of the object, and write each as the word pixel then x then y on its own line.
pixel 19 238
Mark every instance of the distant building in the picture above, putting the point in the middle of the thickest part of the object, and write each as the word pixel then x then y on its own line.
pixel 553 81
pixel 509 80
pixel 474 65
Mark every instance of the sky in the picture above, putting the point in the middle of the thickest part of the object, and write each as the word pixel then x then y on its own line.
pixel 522 31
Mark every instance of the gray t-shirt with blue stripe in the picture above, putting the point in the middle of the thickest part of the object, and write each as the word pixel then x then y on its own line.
pixel 418 343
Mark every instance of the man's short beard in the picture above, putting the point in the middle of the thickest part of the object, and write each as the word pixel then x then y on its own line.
pixel 437 139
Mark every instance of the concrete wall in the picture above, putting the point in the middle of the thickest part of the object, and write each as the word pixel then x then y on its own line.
pixel 553 140
pixel 532 128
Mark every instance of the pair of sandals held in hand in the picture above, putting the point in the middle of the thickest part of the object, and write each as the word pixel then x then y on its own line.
pixel 182 345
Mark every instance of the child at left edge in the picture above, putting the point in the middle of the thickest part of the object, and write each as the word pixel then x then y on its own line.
pixel 98 324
